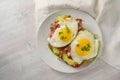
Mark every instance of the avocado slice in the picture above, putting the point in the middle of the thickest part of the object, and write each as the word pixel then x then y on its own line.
pixel 88 60
pixel 60 17
pixel 91 59
pixel 54 50
pixel 68 60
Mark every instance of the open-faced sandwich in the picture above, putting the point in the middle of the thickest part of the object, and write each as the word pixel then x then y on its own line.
pixel 71 42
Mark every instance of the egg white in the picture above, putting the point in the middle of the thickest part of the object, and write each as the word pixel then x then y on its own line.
pixel 94 43
pixel 72 25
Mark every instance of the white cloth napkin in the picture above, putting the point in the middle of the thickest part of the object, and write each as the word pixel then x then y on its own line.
pixel 105 12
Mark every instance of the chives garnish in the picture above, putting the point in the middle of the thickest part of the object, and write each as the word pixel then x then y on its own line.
pixel 62 37
pixel 77 45
pixel 65 37
pixel 60 33
pixel 86 47
pixel 67 29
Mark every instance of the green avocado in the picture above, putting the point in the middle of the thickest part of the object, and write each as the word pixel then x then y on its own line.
pixel 54 50
pixel 68 60
pixel 91 59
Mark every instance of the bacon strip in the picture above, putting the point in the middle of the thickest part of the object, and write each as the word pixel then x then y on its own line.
pixel 76 66
pixel 53 27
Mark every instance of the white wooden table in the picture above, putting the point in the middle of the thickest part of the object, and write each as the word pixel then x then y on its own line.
pixel 18 59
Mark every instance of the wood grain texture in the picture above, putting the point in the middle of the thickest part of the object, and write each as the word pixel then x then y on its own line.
pixel 18 58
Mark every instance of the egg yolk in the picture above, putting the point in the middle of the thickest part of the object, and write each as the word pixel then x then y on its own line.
pixel 83 47
pixel 65 34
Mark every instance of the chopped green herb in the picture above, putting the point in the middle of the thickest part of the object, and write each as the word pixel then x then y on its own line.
pixel 82 49
pixel 67 29
pixel 86 48
pixel 60 33
pixel 62 37
pixel 65 37
pixel 78 45
pixel 95 36
pixel 88 45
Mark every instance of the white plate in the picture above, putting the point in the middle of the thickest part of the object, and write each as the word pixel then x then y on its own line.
pixel 47 56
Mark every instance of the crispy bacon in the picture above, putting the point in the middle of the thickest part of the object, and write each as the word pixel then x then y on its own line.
pixel 53 27
pixel 51 34
pixel 67 49
pixel 70 57
pixel 76 66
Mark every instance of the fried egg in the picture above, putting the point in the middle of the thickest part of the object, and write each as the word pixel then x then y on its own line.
pixel 84 46
pixel 65 33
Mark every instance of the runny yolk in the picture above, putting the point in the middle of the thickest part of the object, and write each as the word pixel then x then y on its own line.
pixel 83 47
pixel 65 34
